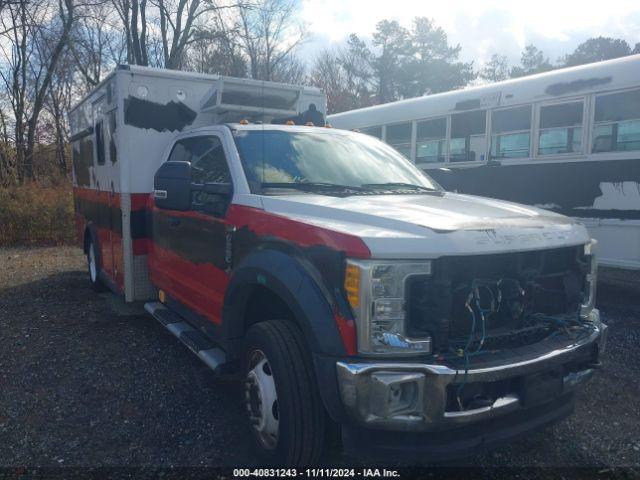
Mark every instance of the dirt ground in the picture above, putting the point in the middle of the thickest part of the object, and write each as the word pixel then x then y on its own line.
pixel 88 381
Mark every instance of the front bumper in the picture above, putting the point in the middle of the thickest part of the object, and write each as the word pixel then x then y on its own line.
pixel 416 397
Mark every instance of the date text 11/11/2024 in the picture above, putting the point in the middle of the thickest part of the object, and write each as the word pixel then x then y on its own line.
pixel 316 472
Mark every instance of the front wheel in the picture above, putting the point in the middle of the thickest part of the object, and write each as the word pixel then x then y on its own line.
pixel 281 395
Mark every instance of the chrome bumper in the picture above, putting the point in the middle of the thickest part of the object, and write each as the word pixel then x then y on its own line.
pixel 412 396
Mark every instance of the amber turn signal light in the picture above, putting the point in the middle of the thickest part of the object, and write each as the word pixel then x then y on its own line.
pixel 352 285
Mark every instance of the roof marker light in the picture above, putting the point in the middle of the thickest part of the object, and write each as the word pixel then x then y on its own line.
pixel 244 121
pixel 328 125
pixel 290 122
pixel 310 124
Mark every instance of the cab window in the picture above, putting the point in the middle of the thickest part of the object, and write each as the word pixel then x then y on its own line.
pixel 208 165
pixel 207 158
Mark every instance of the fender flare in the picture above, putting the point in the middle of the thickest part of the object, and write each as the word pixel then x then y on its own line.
pixel 298 283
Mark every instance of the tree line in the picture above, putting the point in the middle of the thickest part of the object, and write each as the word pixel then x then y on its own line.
pixel 534 60
pixel 52 52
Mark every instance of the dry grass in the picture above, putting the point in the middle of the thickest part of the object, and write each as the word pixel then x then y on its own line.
pixel 33 214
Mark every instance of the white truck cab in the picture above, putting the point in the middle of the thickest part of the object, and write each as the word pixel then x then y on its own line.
pixel 352 292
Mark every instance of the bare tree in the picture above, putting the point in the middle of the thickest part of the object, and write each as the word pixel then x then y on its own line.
pixel 496 69
pixel 178 21
pixel 269 36
pixel 345 76
pixel 215 51
pixel 133 17
pixel 6 156
pixel 357 62
pixel 328 75
pixel 36 35
pixel 58 105
pixel 97 44
pixel 178 25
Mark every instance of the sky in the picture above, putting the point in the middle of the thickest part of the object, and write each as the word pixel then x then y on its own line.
pixel 481 27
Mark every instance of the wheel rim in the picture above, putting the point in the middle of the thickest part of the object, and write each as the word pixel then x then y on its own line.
pixel 261 400
pixel 92 263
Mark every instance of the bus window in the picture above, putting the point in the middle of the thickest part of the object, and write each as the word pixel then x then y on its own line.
pixel 560 129
pixel 399 137
pixel 617 122
pixel 467 136
pixel 431 141
pixel 373 131
pixel 510 132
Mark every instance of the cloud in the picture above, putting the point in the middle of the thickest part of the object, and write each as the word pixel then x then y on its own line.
pixel 481 28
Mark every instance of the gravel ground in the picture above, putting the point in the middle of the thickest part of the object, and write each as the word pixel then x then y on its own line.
pixel 88 381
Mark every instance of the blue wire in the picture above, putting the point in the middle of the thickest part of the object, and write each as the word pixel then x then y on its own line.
pixel 466 351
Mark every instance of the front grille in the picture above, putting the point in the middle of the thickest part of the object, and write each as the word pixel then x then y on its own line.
pixel 517 297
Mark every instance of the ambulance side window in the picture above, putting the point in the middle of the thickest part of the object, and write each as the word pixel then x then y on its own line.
pixel 99 131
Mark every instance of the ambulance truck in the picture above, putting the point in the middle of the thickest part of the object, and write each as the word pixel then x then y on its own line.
pixel 358 300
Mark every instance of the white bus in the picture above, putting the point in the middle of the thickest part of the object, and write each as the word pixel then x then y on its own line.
pixel 567 141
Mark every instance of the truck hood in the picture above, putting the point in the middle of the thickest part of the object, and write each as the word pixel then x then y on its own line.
pixel 396 226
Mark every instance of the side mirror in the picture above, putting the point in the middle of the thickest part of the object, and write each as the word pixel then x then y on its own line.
pixel 172 186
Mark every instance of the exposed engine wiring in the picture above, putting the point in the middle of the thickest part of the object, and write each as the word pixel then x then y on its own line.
pixel 559 324
pixel 474 296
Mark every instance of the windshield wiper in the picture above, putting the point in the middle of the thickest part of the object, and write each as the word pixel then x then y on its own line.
pixel 400 185
pixel 313 186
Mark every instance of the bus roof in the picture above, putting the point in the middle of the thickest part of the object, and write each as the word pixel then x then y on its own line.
pixel 566 82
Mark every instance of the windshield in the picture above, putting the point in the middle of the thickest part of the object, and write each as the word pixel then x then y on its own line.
pixel 276 158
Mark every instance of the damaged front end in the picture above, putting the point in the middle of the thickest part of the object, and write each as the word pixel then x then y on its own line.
pixel 506 332
pixel 491 302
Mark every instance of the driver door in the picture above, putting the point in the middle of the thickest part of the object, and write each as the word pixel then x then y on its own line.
pixel 188 255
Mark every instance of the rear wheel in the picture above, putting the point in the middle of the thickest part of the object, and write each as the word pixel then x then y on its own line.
pixel 281 395
pixel 94 269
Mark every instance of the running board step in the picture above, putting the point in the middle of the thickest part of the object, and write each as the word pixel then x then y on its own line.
pixel 213 356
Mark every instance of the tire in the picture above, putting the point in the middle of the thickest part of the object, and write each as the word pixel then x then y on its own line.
pixel 93 268
pixel 289 423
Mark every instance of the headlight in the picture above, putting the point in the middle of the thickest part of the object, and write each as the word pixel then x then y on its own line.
pixel 376 293
pixel 591 280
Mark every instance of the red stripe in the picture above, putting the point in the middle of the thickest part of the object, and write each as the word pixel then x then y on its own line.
pixel 347 329
pixel 268 224
pixel 111 256
pixel 201 287
pixel 91 194
pixel 138 200
pixel 260 222
pixel 141 246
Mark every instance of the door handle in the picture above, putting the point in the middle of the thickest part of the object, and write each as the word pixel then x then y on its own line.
pixel 174 222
